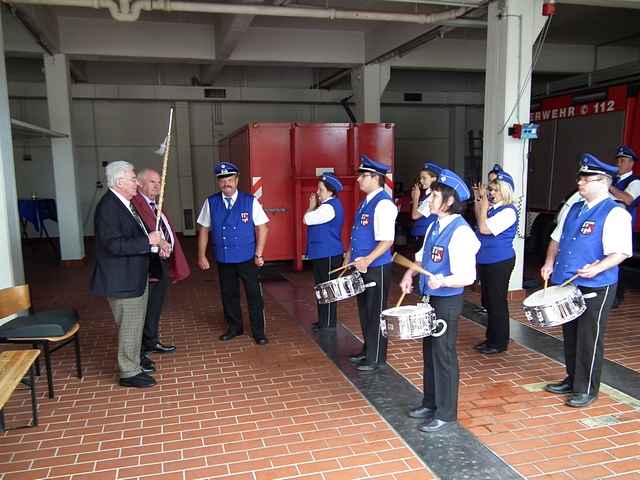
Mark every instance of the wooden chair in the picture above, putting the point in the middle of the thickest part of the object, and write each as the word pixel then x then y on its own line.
pixel 39 329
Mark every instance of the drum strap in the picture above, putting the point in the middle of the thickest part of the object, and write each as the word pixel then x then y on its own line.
pixel 425 298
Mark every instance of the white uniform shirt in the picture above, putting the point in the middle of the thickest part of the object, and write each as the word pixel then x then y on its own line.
pixel 259 217
pixel 323 214
pixel 462 252
pixel 616 234
pixel 501 220
pixel 384 218
pixel 164 218
pixel 633 188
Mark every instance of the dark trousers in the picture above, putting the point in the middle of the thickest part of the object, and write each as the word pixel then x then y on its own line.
pixel 370 303
pixel 321 269
pixel 440 359
pixel 584 340
pixel 494 283
pixel 157 292
pixel 230 275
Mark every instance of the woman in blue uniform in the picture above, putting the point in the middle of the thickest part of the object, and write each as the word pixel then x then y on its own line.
pixel 420 213
pixel 449 254
pixel 325 217
pixel 497 219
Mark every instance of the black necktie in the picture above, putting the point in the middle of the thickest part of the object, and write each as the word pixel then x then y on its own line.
pixel 163 227
pixel 134 212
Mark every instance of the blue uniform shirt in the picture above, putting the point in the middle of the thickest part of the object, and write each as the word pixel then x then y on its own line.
pixel 232 232
pixel 325 239
pixel 363 239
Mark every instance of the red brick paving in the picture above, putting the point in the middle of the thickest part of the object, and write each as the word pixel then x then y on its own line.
pixel 533 431
pixel 623 333
pixel 228 410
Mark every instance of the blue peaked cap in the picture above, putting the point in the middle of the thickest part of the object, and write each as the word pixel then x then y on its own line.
pixel 591 165
pixel 450 179
pixel 225 169
pixel 369 165
pixel 505 177
pixel 624 151
pixel 432 167
pixel 496 168
pixel 330 179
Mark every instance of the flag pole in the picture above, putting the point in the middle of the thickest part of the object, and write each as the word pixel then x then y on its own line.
pixel 163 178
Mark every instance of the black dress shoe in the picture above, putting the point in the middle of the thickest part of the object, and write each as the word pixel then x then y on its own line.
pixel 228 335
pixel 578 400
pixel 160 348
pixel 422 412
pixel 486 350
pixel 367 367
pixel 147 365
pixel 561 388
pixel 480 345
pixel 142 380
pixel 434 425
pixel 261 340
pixel 357 358
pixel 315 326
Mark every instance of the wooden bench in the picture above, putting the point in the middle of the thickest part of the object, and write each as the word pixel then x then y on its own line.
pixel 14 365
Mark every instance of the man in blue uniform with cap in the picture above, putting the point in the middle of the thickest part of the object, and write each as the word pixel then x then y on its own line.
pixel 231 219
pixel 372 236
pixel 626 189
pixel 591 241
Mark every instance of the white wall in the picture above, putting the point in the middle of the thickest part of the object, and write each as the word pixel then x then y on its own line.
pixel 123 129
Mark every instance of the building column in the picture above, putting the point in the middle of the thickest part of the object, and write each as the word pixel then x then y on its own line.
pixel 458 139
pixel 368 83
pixel 56 68
pixel 12 271
pixel 185 175
pixel 513 28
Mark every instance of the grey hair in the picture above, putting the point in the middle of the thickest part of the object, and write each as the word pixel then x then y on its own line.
pixel 143 173
pixel 115 171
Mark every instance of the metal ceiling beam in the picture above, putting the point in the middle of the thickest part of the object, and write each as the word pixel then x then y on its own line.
pixel 42 131
pixel 604 3
pixel 447 3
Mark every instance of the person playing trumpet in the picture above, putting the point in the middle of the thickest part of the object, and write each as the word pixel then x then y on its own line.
pixel 324 218
pixel 449 254
pixel 497 223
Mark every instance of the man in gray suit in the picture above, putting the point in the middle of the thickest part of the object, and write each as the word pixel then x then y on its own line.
pixel 121 272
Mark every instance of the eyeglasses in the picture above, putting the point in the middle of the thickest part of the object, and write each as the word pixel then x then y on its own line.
pixel 585 179
pixel 492 189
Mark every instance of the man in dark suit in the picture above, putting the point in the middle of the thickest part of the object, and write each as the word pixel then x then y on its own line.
pixel 174 268
pixel 121 271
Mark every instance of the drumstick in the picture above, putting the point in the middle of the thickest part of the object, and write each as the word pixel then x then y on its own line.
pixel 546 282
pixel 570 280
pixel 400 299
pixel 342 267
pixel 405 262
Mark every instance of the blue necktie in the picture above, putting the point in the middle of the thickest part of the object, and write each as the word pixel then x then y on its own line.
pixel 435 230
pixel 228 200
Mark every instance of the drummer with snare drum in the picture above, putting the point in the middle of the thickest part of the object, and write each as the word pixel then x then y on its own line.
pixel 590 241
pixel 372 236
pixel 324 219
pixel 449 254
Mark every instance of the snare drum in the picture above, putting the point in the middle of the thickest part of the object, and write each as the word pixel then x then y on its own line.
pixel 411 321
pixel 555 306
pixel 340 288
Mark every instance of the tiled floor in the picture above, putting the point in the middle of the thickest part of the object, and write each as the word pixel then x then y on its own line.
pixel 228 410
pixel 234 410
pixel 502 403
